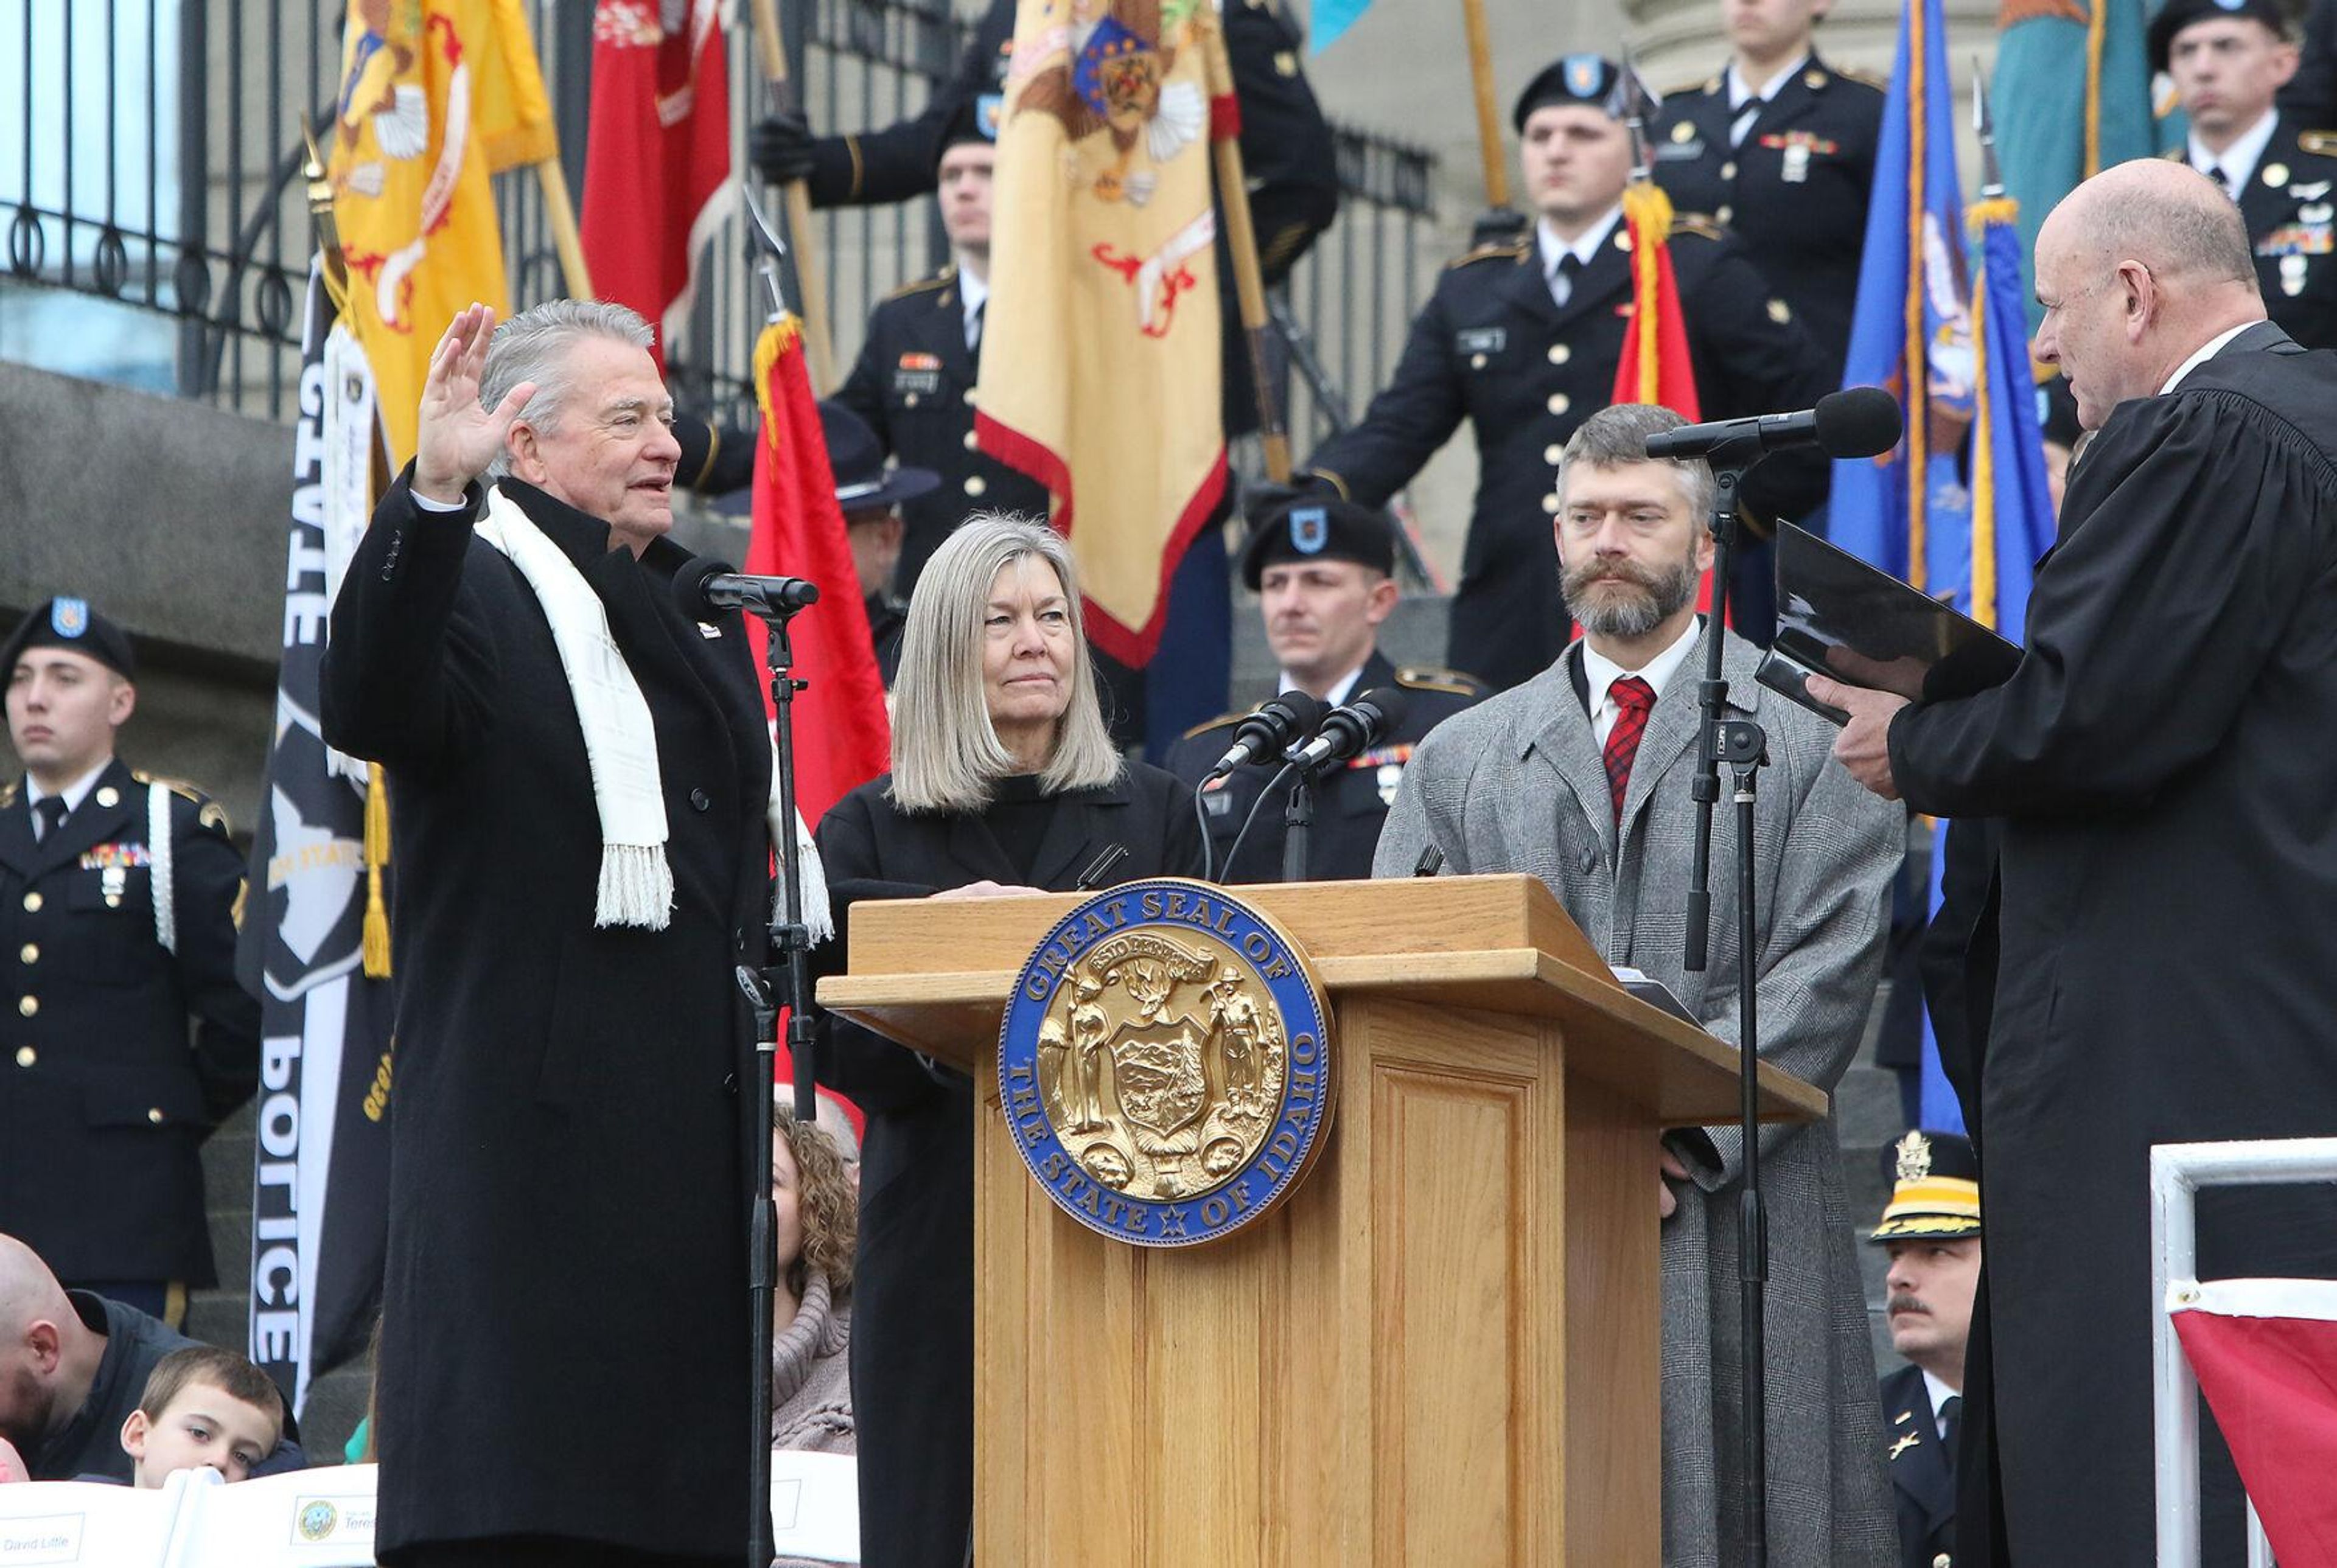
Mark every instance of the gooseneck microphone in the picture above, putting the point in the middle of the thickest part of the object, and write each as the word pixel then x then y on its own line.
pixel 1279 724
pixel 1348 729
pixel 1861 422
pixel 704 587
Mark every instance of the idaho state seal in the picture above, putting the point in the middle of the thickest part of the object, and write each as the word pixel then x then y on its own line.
pixel 1166 1064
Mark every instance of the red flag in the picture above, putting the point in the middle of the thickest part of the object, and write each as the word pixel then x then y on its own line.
pixel 842 735
pixel 1655 365
pixel 657 155
pixel 2265 1354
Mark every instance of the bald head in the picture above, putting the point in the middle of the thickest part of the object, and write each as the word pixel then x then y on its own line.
pixel 48 1357
pixel 2137 268
pixel 29 1292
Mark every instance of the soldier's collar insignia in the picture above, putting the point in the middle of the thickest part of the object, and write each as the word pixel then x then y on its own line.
pixel 1310 529
pixel 1901 1446
pixel 1166 1064
pixel 1915 1152
pixel 68 616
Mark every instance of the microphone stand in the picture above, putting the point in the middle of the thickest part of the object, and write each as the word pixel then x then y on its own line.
pixel 1742 744
pixel 787 983
pixel 1298 821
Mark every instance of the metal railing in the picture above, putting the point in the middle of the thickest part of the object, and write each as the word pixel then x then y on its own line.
pixel 157 233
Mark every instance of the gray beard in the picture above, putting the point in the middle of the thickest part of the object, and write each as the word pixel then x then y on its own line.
pixel 1659 595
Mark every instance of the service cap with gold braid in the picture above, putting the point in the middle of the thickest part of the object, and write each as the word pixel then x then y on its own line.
pixel 1935 1190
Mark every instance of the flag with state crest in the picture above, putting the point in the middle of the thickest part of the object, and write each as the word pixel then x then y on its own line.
pixel 657 155
pixel 320 1179
pixel 1104 282
pixel 435 96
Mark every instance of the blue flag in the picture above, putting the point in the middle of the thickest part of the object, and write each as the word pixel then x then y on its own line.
pixel 1329 19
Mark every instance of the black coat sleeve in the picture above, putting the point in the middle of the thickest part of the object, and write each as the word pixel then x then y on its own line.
pixel 1749 362
pixel 2146 627
pixel 863 390
pixel 1416 413
pixel 207 900
pixel 408 676
pixel 877 168
pixel 1288 158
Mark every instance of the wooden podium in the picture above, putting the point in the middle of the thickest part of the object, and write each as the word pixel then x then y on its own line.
pixel 1442 1349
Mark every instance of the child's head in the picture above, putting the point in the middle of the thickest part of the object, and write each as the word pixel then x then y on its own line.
pixel 202 1405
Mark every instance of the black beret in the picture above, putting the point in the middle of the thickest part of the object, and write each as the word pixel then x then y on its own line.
pixel 1592 81
pixel 2177 14
pixel 1319 528
pixel 1934 1188
pixel 72 625
pixel 975 120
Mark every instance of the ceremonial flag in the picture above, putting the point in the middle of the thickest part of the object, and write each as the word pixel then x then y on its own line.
pixel 409 159
pixel 657 157
pixel 842 735
pixel 1104 293
pixel 1329 20
pixel 320 1186
pixel 2072 98
pixel 2265 1354
pixel 1655 365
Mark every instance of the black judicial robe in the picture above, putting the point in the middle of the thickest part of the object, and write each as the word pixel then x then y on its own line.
pixel 2168 878
pixel 913 1283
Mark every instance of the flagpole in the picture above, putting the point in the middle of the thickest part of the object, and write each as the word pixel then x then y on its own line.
pixel 1241 239
pixel 811 297
pixel 1489 121
pixel 567 239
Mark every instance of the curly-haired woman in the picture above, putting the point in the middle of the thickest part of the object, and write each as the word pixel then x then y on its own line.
pixel 811 1389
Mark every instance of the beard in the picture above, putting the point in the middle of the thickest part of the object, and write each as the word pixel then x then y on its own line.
pixel 1616 597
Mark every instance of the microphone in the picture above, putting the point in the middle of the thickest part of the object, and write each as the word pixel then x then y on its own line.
pixel 1279 724
pixel 1862 421
pixel 1349 729
pixel 704 586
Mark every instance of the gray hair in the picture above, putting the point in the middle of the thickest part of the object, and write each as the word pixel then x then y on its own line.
pixel 534 346
pixel 946 755
pixel 1617 436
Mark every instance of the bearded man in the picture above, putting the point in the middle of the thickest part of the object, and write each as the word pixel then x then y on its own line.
pixel 1581 776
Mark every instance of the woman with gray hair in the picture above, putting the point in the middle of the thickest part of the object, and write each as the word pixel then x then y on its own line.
pixel 1003 781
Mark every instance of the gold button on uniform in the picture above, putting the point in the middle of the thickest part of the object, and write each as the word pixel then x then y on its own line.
pixel 1560 354
pixel 1725 213
pixel 30 953
pixel 1943 1561
pixel 972 441
pixel 1559 403
pixel 109 796
pixel 1476 362
pixel 1549 504
pixel 28 1006
pixel 32 903
pixel 1728 171
pixel 1552 453
pixel 911 400
pixel 975 484
pixel 969 396
pixel 27 1055
pixel 155 1115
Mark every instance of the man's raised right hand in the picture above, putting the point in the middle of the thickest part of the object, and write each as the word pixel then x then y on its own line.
pixel 455 439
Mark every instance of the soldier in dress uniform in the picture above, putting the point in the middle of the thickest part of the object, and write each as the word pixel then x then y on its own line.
pixel 1323 570
pixel 913 385
pixel 1286 149
pixel 872 498
pixel 119 899
pixel 2228 62
pixel 1932 1227
pixel 1780 148
pixel 1522 340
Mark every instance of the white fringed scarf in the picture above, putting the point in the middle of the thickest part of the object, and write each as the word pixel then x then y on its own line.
pixel 636 882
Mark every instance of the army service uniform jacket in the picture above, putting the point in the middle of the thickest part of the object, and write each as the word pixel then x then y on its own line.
pixel 913 386
pixel 1350 803
pixel 1794 190
pixel 103 1102
pixel 1493 347
pixel 2289 206
pixel 1922 1477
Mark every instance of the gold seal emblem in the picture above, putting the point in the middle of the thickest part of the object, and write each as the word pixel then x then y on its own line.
pixel 1915 1152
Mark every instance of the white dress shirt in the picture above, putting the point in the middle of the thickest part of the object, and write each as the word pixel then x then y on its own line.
pixel 1603 673
pixel 2238 162
pixel 1552 250
pixel 973 292
pixel 1745 104
pixel 1338 692
pixel 74 792
pixel 2205 352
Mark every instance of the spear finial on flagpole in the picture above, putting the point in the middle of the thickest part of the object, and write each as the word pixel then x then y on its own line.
pixel 1637 104
pixel 321 211
pixel 770 251
pixel 1991 177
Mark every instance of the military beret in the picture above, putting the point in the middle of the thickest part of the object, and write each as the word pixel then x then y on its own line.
pixel 1592 81
pixel 975 120
pixel 72 625
pixel 1317 526
pixel 1935 1188
pixel 2177 14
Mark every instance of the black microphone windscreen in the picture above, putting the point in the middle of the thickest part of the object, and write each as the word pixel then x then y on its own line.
pixel 690 585
pixel 1303 709
pixel 1858 422
pixel 1390 702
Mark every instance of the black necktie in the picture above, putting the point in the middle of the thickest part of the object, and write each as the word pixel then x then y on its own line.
pixel 1563 276
pixel 1951 1411
pixel 2223 180
pixel 1746 112
pixel 973 326
pixel 48 814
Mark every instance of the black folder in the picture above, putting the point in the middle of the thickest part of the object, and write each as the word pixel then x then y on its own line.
pixel 1841 617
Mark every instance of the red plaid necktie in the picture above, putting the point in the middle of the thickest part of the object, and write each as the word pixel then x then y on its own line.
pixel 1633 697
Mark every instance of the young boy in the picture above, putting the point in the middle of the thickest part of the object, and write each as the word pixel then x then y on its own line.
pixel 202 1405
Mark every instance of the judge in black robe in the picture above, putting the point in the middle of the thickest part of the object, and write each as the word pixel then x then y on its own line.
pixel 2168 866
pixel 1017 830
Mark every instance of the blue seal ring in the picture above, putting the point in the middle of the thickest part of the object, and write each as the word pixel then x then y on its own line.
pixel 1152 1097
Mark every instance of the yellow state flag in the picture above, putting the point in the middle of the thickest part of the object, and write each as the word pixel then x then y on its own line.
pixel 431 91
pixel 1102 360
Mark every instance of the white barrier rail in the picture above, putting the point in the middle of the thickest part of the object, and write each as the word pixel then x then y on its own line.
pixel 2177 1171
